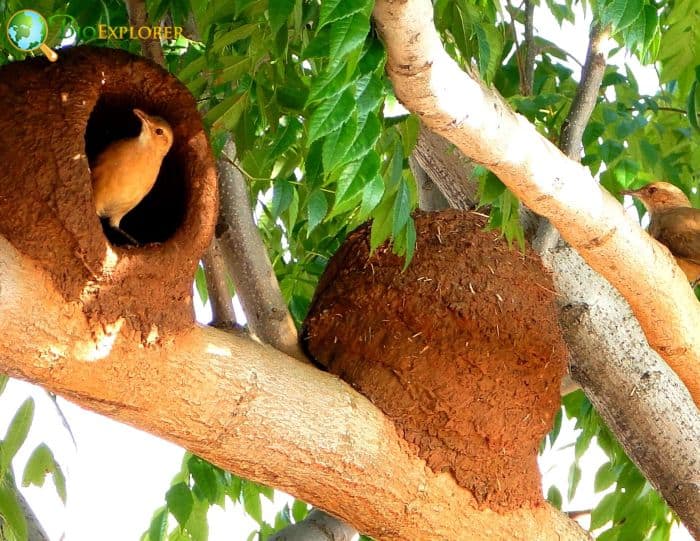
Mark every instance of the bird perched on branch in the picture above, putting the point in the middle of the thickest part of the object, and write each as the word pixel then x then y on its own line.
pixel 127 169
pixel 674 223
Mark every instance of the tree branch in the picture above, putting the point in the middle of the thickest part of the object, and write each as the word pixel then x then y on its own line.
pixel 570 140
pixel 530 49
pixel 482 125
pixel 571 136
pixel 430 198
pixel 253 277
pixel 448 168
pixel 217 286
pixel 138 17
pixel 248 409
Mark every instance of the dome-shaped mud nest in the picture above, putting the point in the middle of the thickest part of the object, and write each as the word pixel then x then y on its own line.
pixel 56 118
pixel 462 350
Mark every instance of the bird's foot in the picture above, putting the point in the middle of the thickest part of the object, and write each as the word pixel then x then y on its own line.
pixel 128 237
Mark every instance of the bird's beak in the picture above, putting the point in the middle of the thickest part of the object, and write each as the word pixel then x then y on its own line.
pixel 629 192
pixel 143 116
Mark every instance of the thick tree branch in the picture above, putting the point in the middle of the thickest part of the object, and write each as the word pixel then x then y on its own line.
pixel 253 277
pixel 480 124
pixel 249 409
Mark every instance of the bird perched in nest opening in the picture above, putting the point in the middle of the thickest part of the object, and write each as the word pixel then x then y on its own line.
pixel 674 223
pixel 127 169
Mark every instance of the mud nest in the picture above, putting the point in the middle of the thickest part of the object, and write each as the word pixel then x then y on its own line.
pixel 56 118
pixel 462 350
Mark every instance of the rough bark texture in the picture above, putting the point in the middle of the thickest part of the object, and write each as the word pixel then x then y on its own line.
pixel 430 198
pixel 647 406
pixel 253 276
pixel 56 118
pixel 462 349
pixel 246 408
pixel 448 168
pixel 481 124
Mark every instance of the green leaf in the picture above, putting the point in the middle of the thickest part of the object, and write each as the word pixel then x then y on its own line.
pixel 605 477
pixel 490 188
pixel 228 38
pixel 574 479
pixel 370 97
pixel 197 525
pixel 337 145
pixel 40 463
pixel 299 510
pixel 330 115
pixel 603 512
pixel 279 11
pixel 16 434
pixel 366 138
pixel 554 497
pixel 410 242
pixel 200 282
pixel 371 196
pixel 180 502
pixel 204 477
pixel 11 513
pixel 381 225
pixel 251 501
pixel 3 382
pixel 225 115
pixel 334 10
pixel 282 195
pixel 402 209
pixel 347 35
pixel 327 85
pixel 317 207
pixel 158 529
pixel 694 106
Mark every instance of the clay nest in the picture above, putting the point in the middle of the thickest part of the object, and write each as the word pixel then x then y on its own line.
pixel 56 118
pixel 462 350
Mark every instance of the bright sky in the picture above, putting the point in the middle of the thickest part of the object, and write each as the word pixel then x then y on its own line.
pixel 117 476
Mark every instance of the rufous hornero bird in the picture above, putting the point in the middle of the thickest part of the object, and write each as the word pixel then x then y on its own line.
pixel 674 223
pixel 127 169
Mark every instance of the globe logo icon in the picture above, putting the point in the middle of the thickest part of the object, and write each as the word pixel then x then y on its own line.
pixel 27 31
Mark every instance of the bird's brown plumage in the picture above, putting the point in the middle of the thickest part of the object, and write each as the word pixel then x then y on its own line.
pixel 674 223
pixel 126 170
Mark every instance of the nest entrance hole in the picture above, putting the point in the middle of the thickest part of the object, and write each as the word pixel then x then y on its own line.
pixel 162 211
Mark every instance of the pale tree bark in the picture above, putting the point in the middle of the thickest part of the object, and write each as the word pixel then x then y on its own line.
pixel 636 393
pixel 317 526
pixel 216 274
pixel 480 123
pixel 248 409
pixel 245 255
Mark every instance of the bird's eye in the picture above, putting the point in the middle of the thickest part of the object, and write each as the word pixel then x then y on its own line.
pixel 652 190
pixel 159 131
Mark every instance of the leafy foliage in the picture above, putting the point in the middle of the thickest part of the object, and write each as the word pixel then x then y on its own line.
pixel 300 86
pixel 629 508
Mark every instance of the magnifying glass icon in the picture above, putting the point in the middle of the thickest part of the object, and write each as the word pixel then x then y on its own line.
pixel 27 31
